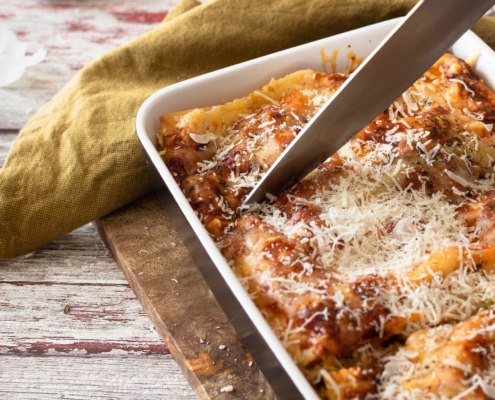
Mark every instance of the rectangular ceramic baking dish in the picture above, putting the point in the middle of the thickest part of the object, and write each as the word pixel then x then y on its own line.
pixel 225 85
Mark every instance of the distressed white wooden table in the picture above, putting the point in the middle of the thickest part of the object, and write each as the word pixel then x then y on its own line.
pixel 70 326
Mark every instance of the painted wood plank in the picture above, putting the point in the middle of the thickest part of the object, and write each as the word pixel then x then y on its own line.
pixel 48 318
pixel 105 321
pixel 74 33
pixel 79 257
pixel 151 377
pixel 131 358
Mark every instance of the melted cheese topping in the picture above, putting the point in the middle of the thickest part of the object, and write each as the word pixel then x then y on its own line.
pixel 391 240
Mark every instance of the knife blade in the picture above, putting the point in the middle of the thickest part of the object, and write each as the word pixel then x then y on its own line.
pixel 424 35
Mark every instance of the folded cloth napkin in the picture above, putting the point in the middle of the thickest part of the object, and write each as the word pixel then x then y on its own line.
pixel 78 158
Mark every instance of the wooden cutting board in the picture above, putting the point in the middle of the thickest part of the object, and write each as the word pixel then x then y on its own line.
pixel 178 301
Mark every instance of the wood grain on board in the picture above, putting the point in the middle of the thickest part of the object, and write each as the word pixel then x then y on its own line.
pixel 180 304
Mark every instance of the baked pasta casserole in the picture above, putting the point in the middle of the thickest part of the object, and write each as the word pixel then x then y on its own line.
pixel 377 270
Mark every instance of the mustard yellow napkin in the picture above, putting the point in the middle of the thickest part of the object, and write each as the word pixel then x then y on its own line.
pixel 78 158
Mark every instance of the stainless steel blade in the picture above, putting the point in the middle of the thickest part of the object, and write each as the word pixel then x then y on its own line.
pixel 426 33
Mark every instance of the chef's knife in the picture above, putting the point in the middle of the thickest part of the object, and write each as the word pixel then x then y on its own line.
pixel 424 35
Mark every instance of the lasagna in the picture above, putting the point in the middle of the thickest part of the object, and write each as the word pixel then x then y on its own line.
pixel 376 270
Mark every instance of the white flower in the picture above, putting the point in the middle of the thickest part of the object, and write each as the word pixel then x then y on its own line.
pixel 13 59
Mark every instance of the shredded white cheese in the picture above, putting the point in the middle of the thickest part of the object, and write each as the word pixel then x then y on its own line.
pixel 470 91
pixel 226 389
pixel 266 97
pixel 204 138
pixel 369 223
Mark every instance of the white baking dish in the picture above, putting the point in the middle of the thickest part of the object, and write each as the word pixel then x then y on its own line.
pixel 226 85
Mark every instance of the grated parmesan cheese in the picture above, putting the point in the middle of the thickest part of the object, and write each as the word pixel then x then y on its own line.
pixel 266 97
pixel 378 215
pixel 204 138
pixel 470 91
pixel 226 389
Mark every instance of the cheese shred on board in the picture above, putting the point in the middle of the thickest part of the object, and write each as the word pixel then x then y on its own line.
pixel 376 271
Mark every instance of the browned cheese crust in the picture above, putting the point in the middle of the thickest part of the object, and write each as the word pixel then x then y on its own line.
pixel 348 316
